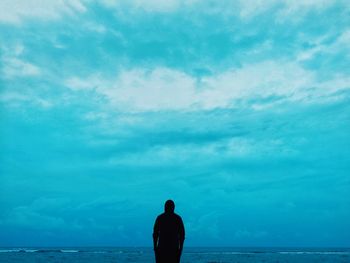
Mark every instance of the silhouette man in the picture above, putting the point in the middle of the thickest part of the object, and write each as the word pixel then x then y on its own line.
pixel 168 235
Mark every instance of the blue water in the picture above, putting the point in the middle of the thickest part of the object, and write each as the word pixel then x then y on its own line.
pixel 190 255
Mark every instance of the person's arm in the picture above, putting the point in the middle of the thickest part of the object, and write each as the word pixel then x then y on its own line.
pixel 181 235
pixel 155 234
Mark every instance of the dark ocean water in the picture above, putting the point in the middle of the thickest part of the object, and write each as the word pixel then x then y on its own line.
pixel 190 255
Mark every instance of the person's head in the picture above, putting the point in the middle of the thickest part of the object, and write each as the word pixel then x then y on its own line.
pixel 169 206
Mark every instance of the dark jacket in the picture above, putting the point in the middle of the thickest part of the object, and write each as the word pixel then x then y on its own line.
pixel 168 236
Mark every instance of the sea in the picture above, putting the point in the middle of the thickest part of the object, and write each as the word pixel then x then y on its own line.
pixel 190 255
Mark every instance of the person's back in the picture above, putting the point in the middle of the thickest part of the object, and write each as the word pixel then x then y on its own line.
pixel 168 235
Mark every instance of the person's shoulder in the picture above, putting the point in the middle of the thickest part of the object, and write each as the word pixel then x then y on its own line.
pixel 177 216
pixel 160 216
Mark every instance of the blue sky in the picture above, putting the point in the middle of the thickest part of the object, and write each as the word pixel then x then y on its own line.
pixel 237 110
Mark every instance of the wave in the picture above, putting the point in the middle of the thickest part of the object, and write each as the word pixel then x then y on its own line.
pixel 19 250
pixel 271 252
pixel 316 252
pixel 22 250
pixel 103 251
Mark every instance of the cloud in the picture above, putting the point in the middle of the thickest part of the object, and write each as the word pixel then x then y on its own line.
pixel 15 67
pixel 258 86
pixel 281 10
pixel 140 89
pixel 222 103
pixel 15 11
pixel 166 153
pixel 285 9
pixel 18 100
pixel 151 5
pixel 25 216
pixel 323 46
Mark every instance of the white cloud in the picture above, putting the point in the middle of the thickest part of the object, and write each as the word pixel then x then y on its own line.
pixel 340 44
pixel 95 27
pixel 76 83
pixel 159 88
pixel 249 8
pixel 186 152
pixel 261 80
pixel 13 11
pixel 285 9
pixel 142 89
pixel 244 8
pixel 13 63
pixel 295 7
pixel 151 5
pixel 254 85
pixel 15 67
pixel 16 99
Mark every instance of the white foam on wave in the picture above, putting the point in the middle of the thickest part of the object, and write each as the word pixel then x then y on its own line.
pixel 9 250
pixel 316 252
pixel 220 253
pixel 12 250
pixel 272 252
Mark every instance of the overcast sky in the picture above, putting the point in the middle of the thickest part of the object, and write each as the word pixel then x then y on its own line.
pixel 237 110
